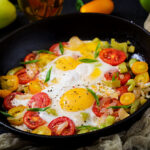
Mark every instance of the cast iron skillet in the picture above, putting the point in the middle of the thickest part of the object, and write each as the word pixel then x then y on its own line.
pixel 40 35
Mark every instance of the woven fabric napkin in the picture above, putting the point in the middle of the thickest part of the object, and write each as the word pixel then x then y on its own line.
pixel 137 137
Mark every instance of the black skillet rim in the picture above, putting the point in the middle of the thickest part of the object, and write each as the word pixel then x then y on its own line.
pixel 140 110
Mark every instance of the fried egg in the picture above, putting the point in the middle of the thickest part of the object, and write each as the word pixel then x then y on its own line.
pixel 68 84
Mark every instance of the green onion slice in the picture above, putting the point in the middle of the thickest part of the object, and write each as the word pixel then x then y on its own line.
pixel 48 75
pixel 61 48
pixel 95 96
pixel 88 60
pixel 114 75
pixel 97 50
pixel 117 107
pixel 45 51
pixel 6 114
pixel 38 109
pixel 30 61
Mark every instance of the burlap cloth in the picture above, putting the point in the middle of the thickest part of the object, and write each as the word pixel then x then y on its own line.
pixel 137 137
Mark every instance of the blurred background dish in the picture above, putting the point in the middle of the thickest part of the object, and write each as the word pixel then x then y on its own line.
pixel 40 9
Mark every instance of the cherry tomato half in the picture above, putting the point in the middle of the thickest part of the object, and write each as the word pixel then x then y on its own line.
pixel 123 77
pixel 31 69
pixel 29 57
pixel 122 90
pixel 127 98
pixel 7 101
pixel 23 76
pixel 17 113
pixel 109 74
pixel 55 48
pixel 112 56
pixel 32 120
pixel 104 104
pixel 39 100
pixel 62 126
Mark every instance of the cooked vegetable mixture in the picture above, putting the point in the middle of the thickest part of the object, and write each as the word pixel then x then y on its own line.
pixel 74 87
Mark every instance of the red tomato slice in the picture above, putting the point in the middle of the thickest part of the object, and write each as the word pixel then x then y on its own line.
pixel 123 77
pixel 23 76
pixel 102 108
pixel 62 126
pixel 122 89
pixel 29 57
pixel 32 120
pixel 55 48
pixel 31 69
pixel 7 101
pixel 112 56
pixel 109 74
pixel 39 100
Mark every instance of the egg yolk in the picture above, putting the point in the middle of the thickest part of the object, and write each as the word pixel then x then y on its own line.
pixel 67 63
pixel 76 99
pixel 95 74
pixel 86 49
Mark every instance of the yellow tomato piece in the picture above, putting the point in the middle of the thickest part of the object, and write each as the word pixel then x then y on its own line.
pixel 142 78
pixel 43 130
pixel 127 98
pixel 35 86
pixel 98 6
pixel 139 67
pixel 17 113
pixel 4 93
pixel 9 82
pixel 45 59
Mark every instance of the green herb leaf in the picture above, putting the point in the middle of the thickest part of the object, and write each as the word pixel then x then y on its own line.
pixel 116 74
pixel 48 75
pixel 45 51
pixel 117 107
pixel 97 50
pixel 95 96
pixel 30 61
pixel 79 4
pixel 6 114
pixel 90 128
pixel 88 60
pixel 38 109
pixel 61 48
pixel 113 77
